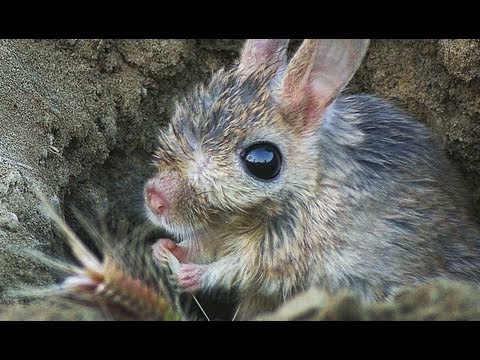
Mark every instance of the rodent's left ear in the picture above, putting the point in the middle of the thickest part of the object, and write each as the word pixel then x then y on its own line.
pixel 317 73
pixel 267 55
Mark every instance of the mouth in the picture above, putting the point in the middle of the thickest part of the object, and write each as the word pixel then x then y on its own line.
pixel 183 235
pixel 178 232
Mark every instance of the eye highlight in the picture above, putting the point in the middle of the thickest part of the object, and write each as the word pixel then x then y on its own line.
pixel 262 160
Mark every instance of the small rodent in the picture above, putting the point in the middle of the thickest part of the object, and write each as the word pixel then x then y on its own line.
pixel 273 182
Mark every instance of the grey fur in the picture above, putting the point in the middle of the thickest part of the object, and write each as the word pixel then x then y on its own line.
pixel 405 216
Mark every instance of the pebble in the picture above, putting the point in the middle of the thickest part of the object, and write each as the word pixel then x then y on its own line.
pixel 8 220
pixel 10 180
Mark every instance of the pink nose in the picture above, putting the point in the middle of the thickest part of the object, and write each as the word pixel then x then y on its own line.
pixel 156 201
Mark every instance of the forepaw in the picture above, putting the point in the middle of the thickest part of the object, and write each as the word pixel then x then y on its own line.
pixel 163 247
pixel 189 277
pixel 161 251
pixel 169 254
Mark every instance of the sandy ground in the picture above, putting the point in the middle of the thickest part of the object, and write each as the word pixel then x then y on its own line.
pixel 78 120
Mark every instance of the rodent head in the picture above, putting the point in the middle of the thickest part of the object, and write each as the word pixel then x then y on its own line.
pixel 245 143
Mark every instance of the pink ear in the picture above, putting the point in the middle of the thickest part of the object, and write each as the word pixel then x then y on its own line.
pixel 317 73
pixel 268 55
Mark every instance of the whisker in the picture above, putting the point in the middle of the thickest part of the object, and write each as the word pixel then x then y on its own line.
pixel 236 313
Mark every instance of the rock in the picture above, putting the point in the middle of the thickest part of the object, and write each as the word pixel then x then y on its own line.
pixel 50 310
pixel 438 300
pixel 461 58
pixel 299 308
pixel 8 220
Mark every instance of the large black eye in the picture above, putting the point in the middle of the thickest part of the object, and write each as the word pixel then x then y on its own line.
pixel 262 160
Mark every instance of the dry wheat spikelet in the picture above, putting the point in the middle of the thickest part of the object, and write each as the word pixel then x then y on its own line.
pixel 123 283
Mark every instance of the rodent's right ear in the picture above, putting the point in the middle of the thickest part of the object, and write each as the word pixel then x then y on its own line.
pixel 268 55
